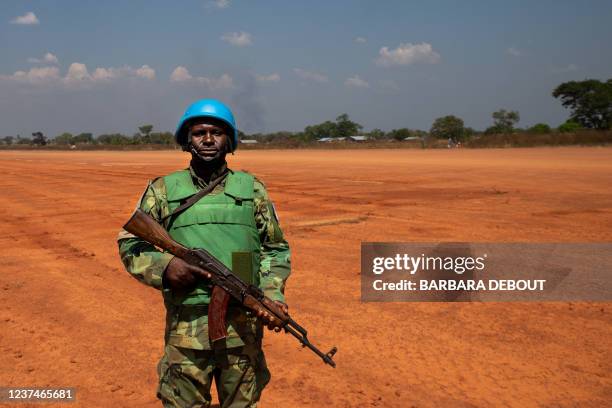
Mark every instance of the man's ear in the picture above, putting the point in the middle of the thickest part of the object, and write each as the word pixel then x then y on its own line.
pixel 228 143
pixel 187 146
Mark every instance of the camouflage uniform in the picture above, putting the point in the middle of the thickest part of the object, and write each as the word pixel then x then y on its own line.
pixel 189 364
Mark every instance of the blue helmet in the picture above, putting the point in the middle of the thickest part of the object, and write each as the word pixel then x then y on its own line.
pixel 207 108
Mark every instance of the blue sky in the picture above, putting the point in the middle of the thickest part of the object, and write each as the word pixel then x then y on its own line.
pixel 92 66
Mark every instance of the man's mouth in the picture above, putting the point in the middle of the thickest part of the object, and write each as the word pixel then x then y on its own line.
pixel 208 151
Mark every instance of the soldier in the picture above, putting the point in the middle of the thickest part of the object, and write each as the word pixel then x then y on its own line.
pixel 237 224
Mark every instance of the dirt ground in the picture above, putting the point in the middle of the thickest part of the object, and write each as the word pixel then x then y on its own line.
pixel 71 316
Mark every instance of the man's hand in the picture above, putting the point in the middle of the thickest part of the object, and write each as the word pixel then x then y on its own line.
pixel 272 322
pixel 180 275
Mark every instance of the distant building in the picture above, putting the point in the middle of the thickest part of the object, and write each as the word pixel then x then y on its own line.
pixel 249 141
pixel 412 138
pixel 358 138
pixel 331 139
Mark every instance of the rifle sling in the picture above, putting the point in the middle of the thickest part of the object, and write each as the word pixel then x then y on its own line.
pixel 196 197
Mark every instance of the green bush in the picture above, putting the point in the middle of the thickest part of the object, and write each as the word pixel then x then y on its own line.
pixel 539 128
pixel 570 127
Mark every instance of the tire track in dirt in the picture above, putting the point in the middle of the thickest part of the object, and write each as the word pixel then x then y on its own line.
pixel 57 321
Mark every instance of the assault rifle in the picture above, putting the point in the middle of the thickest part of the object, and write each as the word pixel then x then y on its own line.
pixel 226 285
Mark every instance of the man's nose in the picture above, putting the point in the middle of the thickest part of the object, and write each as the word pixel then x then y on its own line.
pixel 208 137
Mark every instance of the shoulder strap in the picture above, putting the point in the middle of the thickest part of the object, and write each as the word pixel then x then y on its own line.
pixel 196 197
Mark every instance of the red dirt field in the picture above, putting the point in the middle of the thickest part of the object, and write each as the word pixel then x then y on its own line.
pixel 71 316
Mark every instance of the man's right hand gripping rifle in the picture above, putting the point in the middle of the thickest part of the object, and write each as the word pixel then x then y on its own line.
pixel 181 275
pixel 188 265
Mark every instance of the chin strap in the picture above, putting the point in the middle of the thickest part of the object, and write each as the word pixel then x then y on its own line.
pixel 195 152
pixel 189 148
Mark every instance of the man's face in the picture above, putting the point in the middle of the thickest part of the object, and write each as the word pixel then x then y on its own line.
pixel 209 139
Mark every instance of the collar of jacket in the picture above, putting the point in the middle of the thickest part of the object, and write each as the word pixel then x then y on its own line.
pixel 200 182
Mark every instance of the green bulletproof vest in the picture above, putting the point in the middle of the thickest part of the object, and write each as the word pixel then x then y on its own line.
pixel 221 223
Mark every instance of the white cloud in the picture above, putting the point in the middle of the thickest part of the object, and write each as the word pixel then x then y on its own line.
pixel 406 54
pixel 78 73
pixel 34 75
pixel 567 68
pixel 220 4
pixel 28 18
pixel 311 76
pixel 105 74
pixel 108 74
pixel 268 78
pixel 515 52
pixel 48 58
pixel 145 72
pixel 360 40
pixel 181 74
pixel 239 39
pixel 356 82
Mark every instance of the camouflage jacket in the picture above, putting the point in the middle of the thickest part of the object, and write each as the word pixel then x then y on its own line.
pixel 188 326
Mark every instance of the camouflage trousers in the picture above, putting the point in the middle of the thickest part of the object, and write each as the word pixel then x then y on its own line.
pixel 185 377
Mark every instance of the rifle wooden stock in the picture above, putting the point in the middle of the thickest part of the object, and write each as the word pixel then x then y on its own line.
pixel 226 285
pixel 145 227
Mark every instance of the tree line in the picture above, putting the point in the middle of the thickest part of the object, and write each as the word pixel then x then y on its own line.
pixel 589 102
pixel 144 136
